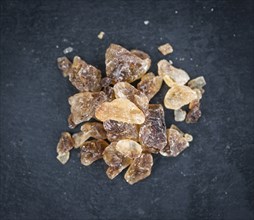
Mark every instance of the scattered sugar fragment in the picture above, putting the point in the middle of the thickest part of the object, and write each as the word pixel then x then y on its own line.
pixel 179 115
pixel 146 22
pixel 165 49
pixel 67 50
pixel 188 137
pixel 101 35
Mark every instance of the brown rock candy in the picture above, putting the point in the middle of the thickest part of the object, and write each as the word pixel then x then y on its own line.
pixel 89 129
pixel 139 169
pixel 107 89
pixel 188 137
pixel 178 96
pixel 176 143
pixel 64 64
pixel 150 150
pixel 165 49
pixel 129 148
pixel 150 85
pixel 122 65
pixel 119 130
pixel 197 83
pixel 83 106
pixel 115 160
pixel 153 132
pixel 142 55
pixel 85 77
pixel 194 113
pixel 121 110
pixel 91 151
pixel 179 115
pixel 172 75
pixel 64 146
pixel 126 90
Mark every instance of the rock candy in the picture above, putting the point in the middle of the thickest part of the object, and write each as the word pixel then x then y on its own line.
pixel 126 90
pixel 165 49
pixel 153 132
pixel 84 77
pixel 64 64
pixel 123 65
pixel 89 129
pixel 179 115
pixel 176 143
pixel 194 113
pixel 121 110
pixel 178 96
pixel 83 106
pixel 119 130
pixel 115 160
pixel 150 85
pixel 129 148
pixel 172 75
pixel 64 146
pixel 197 83
pixel 139 169
pixel 91 151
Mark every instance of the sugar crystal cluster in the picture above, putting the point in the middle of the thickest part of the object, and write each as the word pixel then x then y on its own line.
pixel 127 129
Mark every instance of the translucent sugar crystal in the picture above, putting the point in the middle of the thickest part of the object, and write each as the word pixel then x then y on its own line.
pixel 83 106
pixel 119 130
pixel 150 85
pixel 115 160
pixel 84 77
pixel 172 75
pixel 123 65
pixel 179 115
pixel 129 148
pixel 194 113
pixel 176 142
pixel 126 90
pixel 153 132
pixel 89 129
pixel 139 169
pixel 91 151
pixel 165 49
pixel 178 96
pixel 121 110
pixel 64 64
pixel 197 83
pixel 64 146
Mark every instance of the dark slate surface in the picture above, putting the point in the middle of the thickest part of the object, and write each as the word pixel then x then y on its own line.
pixel 213 179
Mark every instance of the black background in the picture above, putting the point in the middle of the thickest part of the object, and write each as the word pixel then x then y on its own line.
pixel 213 179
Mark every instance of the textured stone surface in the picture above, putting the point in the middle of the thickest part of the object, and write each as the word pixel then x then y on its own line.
pixel 213 179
